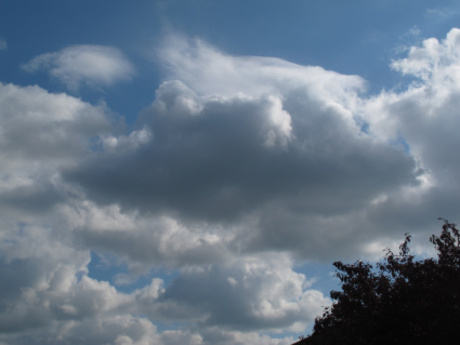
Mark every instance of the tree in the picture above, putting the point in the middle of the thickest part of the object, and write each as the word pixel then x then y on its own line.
pixel 399 301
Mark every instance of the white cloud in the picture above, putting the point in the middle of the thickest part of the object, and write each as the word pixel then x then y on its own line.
pixel 208 71
pixel 247 293
pixel 84 64
pixel 47 287
pixel 434 61
pixel 40 134
pixel 158 240
pixel 239 166
pixel 426 114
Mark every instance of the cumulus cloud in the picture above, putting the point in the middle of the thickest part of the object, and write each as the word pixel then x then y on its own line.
pixel 84 64
pixel 41 133
pixel 424 118
pixel 158 241
pixel 49 227
pixel 248 293
pixel 117 330
pixel 241 169
pixel 255 143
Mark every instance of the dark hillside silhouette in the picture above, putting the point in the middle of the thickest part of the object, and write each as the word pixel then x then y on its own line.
pixel 398 301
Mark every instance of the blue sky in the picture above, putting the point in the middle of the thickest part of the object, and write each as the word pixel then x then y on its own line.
pixel 187 171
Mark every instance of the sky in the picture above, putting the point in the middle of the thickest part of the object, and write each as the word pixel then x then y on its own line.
pixel 187 171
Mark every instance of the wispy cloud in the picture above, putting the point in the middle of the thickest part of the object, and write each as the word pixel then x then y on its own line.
pixel 85 64
pixel 441 13
pixel 3 44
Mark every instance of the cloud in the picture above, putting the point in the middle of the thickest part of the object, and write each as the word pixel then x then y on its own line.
pixel 258 144
pixel 246 294
pixel 425 114
pixel 424 117
pixel 158 241
pixel 48 228
pixel 433 60
pixel 84 64
pixel 3 44
pixel 41 133
pixel 241 169
pixel 208 71
pixel 117 330
pixel 441 13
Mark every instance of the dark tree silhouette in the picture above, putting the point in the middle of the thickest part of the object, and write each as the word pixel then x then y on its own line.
pixel 399 301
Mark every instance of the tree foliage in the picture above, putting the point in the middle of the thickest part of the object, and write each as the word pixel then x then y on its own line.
pixel 400 300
